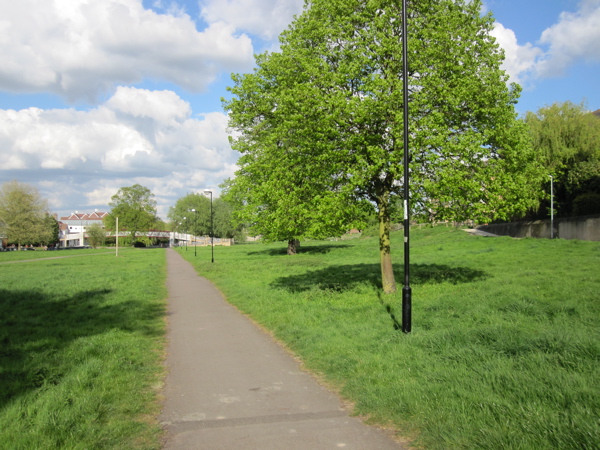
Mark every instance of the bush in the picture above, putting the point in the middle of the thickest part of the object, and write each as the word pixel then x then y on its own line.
pixel 586 204
pixel 370 231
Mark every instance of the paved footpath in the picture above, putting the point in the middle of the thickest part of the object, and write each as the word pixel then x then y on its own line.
pixel 230 386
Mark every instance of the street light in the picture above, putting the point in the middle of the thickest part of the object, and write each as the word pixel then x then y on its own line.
pixel 195 227
pixel 181 223
pixel 406 290
pixel 551 207
pixel 212 234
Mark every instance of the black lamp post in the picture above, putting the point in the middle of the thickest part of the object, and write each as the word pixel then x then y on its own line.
pixel 212 234
pixel 551 207
pixel 406 290
pixel 195 228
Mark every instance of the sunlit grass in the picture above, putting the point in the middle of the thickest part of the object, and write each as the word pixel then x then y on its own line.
pixel 505 346
pixel 7 257
pixel 81 344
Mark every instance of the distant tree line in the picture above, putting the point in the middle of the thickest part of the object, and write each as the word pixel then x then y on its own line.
pixel 192 214
pixel 135 208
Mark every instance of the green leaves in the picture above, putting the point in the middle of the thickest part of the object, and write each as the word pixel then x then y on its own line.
pixel 136 209
pixel 191 214
pixel 96 235
pixel 24 215
pixel 566 139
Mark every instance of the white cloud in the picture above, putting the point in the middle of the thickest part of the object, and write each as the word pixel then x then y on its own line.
pixel 136 136
pixel 265 18
pixel 162 106
pixel 576 37
pixel 80 48
pixel 520 60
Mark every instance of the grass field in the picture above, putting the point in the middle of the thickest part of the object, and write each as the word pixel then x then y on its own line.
pixel 505 348
pixel 81 343
pixel 42 254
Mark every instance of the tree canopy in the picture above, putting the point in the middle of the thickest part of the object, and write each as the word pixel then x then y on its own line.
pixel 281 189
pixel 224 224
pixel 191 214
pixel 96 235
pixel 136 209
pixel 24 217
pixel 320 123
pixel 566 138
pixel 186 220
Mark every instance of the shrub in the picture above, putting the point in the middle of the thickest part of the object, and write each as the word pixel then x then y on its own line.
pixel 586 204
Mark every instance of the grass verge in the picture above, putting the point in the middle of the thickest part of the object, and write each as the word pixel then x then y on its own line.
pixel 81 343
pixel 505 347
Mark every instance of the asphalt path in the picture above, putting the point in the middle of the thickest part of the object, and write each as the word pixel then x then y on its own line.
pixel 231 386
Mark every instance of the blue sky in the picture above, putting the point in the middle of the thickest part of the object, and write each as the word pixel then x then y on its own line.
pixel 100 94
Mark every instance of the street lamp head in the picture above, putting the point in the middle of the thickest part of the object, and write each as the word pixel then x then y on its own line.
pixel 207 191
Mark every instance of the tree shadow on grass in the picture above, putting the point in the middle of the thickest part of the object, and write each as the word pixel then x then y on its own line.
pixel 35 327
pixel 346 277
pixel 319 249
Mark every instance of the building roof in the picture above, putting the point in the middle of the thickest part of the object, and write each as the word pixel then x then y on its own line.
pixel 96 215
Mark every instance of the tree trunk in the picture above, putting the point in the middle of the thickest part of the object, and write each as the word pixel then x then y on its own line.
pixel 293 246
pixel 387 271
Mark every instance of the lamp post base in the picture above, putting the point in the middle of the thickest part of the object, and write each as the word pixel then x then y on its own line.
pixel 406 309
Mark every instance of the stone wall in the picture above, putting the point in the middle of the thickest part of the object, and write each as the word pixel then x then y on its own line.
pixel 586 228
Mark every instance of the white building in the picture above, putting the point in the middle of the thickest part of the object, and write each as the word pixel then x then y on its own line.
pixel 72 230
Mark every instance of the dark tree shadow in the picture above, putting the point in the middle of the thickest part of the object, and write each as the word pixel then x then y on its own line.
pixel 35 326
pixel 395 323
pixel 319 249
pixel 342 278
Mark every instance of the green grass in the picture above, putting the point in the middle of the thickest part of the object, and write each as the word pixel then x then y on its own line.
pixel 81 343
pixel 7 257
pixel 505 348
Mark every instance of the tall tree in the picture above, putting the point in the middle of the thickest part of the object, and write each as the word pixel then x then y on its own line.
pixel 193 213
pixel 51 231
pixel 331 102
pixel 566 138
pixel 23 214
pixel 96 235
pixel 223 222
pixel 287 187
pixel 136 209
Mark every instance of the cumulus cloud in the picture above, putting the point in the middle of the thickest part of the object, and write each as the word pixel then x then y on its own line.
pixel 265 18
pixel 575 37
pixel 520 60
pixel 80 48
pixel 572 39
pixel 136 136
